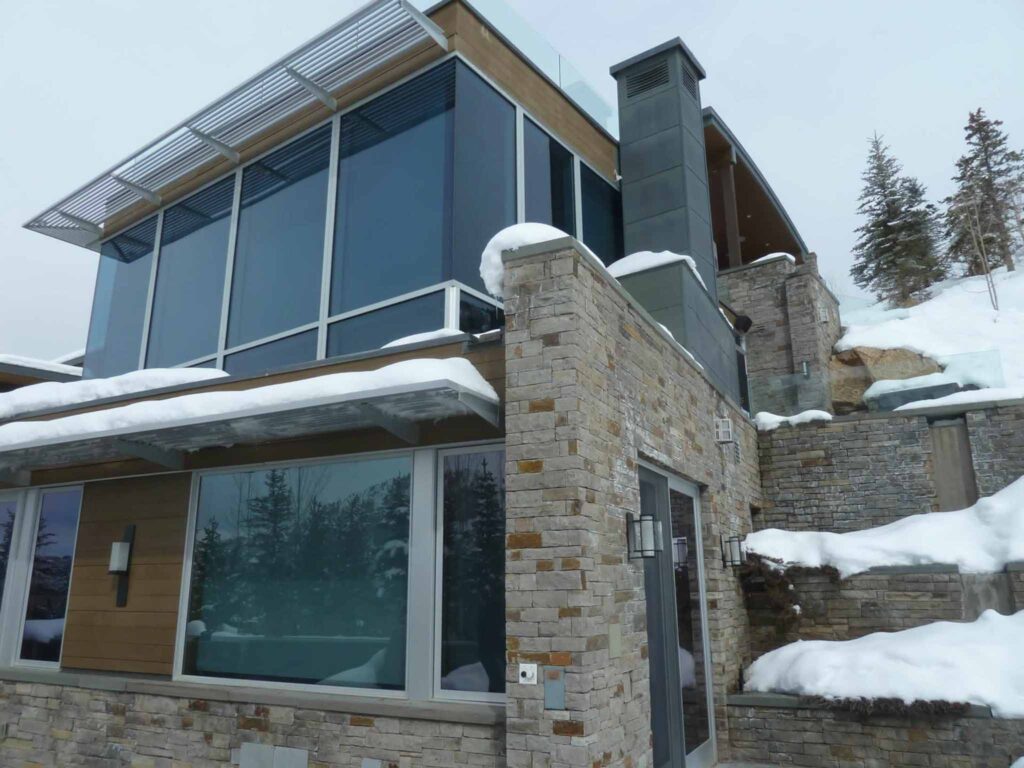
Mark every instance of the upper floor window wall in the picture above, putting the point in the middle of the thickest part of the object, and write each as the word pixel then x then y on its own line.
pixel 360 231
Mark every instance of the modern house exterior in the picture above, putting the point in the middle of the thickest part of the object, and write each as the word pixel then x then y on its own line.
pixel 315 561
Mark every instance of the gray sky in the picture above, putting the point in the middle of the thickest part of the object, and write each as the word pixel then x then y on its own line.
pixel 802 83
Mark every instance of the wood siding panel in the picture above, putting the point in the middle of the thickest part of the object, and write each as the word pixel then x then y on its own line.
pixel 140 636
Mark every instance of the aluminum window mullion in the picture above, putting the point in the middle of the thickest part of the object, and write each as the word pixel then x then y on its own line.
pixel 451 307
pixel 329 227
pixel 520 165
pixel 421 608
pixel 147 318
pixel 229 268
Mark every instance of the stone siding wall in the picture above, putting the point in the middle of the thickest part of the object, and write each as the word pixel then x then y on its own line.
pixel 997 446
pixel 823 738
pixel 593 386
pixel 53 726
pixel 846 475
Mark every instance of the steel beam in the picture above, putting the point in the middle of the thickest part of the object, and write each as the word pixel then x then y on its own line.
pixel 146 194
pixel 403 429
pixel 163 457
pixel 81 223
pixel 216 144
pixel 325 97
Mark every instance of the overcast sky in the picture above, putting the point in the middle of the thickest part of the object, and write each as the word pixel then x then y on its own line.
pixel 802 83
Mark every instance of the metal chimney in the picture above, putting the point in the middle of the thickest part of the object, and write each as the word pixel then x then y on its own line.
pixel 665 200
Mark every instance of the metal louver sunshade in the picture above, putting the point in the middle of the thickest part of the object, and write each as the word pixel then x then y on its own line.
pixel 361 43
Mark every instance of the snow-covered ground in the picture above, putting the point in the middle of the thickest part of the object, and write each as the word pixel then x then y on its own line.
pixel 957 327
pixel 979 539
pixel 766 422
pixel 976 662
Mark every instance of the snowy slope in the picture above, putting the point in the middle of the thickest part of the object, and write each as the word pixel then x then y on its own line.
pixel 957 327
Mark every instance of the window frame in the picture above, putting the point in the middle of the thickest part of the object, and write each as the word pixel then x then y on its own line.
pixel 324 318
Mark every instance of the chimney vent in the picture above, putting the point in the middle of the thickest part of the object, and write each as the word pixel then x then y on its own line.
pixel 638 83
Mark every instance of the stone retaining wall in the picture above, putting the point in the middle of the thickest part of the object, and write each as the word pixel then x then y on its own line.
pixel 788 733
pixel 59 725
pixel 997 446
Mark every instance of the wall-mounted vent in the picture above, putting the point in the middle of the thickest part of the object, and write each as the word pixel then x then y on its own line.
pixel 646 80
pixel 723 430
pixel 689 81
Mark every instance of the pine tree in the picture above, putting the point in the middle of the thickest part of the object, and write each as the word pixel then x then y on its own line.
pixel 895 255
pixel 988 181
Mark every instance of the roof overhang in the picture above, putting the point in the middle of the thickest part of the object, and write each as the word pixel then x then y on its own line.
pixel 401 410
pixel 20 372
pixel 346 53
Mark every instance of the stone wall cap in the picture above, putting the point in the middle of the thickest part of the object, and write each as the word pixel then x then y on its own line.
pixel 1015 567
pixel 790 701
pixel 901 570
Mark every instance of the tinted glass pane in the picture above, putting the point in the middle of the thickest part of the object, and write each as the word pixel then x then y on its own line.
pixel 375 329
pixel 300 575
pixel 8 509
pixel 189 290
pixel 473 588
pixel 119 305
pixel 602 216
pixel 51 575
pixel 393 225
pixel 548 168
pixel 485 172
pixel 291 350
pixel 280 246
pixel 476 316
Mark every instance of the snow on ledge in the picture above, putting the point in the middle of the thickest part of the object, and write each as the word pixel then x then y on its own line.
pixel 48 395
pixel 644 260
pixel 979 539
pixel 416 338
pixel 970 397
pixel 40 365
pixel 775 257
pixel 975 662
pixel 492 268
pixel 766 422
pixel 208 406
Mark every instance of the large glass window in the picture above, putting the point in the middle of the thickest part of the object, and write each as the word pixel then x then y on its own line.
pixel 602 216
pixel 549 187
pixel 279 253
pixel 291 350
pixel 119 304
pixel 185 320
pixel 375 329
pixel 54 551
pixel 476 316
pixel 473 572
pixel 300 575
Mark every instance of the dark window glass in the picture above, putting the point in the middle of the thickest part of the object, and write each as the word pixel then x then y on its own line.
pixel 473 573
pixel 119 304
pixel 602 216
pixel 290 350
pixel 300 575
pixel 207 364
pixel 279 254
pixel 8 509
pixel 393 225
pixel 548 169
pixel 476 316
pixel 375 329
pixel 485 172
pixel 51 575
pixel 185 322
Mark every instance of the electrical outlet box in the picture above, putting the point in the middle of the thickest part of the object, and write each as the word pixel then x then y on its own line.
pixel 528 674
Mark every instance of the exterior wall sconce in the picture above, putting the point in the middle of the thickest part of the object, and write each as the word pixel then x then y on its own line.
pixel 643 536
pixel 733 555
pixel 121 563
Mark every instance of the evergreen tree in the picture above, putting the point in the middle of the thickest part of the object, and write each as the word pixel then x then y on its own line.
pixel 270 554
pixel 895 255
pixel 989 178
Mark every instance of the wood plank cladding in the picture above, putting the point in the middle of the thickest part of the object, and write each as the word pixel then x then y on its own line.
pixel 140 636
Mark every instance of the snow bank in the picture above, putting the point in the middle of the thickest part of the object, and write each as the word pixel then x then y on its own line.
pixel 644 260
pixel 766 422
pixel 976 662
pixel 979 539
pixel 39 397
pixel 40 365
pixel 965 398
pixel 954 327
pixel 416 338
pixel 492 269
pixel 200 406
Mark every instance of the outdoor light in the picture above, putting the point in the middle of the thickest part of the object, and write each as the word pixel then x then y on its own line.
pixel 732 551
pixel 643 536
pixel 680 550
pixel 120 551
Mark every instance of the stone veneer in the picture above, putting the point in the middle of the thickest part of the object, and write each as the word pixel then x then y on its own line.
pixel 593 385
pixel 785 731
pixel 997 445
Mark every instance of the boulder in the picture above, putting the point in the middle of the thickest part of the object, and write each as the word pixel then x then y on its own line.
pixel 895 363
pixel 854 370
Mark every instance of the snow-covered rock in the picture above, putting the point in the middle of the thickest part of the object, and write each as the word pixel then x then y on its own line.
pixel 976 662
pixel 979 539
pixel 766 422
pixel 492 269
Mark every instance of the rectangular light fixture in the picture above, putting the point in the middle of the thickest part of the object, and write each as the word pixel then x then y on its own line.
pixel 643 536
pixel 733 554
pixel 120 553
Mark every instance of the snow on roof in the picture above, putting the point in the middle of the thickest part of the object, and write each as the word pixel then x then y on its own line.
pixel 48 395
pixel 980 539
pixel 776 256
pixel 204 407
pixel 67 357
pixel 766 422
pixel 976 662
pixel 416 338
pixel 956 327
pixel 17 361
pixel 492 268
pixel 641 261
